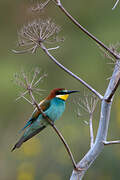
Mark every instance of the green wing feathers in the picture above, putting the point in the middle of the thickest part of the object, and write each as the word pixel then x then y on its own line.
pixel 24 139
pixel 44 105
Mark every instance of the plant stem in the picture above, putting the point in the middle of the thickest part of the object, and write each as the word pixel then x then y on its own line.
pixel 91 131
pixel 86 31
pixel 111 142
pixel 55 129
pixel 70 72
pixel 65 144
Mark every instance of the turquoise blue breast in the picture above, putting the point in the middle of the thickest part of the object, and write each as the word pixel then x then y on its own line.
pixel 56 109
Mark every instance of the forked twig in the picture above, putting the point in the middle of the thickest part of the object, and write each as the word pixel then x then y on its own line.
pixel 88 104
pixel 70 72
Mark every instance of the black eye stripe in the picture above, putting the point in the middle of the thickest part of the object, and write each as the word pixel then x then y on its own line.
pixel 60 93
pixel 65 92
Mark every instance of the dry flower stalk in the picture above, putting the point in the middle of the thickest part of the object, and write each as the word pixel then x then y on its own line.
pixel 37 32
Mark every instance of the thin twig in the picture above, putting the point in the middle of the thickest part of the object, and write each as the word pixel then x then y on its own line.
pixel 69 72
pixel 58 3
pixel 115 5
pixel 65 144
pixel 55 129
pixel 53 48
pixel 37 82
pixel 21 95
pixel 88 104
pixel 27 100
pixel 111 142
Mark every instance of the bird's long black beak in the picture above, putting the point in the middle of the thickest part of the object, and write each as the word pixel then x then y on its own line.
pixel 69 92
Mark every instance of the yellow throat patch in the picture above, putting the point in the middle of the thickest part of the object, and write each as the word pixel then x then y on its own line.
pixel 63 97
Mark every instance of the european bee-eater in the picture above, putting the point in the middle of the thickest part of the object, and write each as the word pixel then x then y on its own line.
pixel 53 106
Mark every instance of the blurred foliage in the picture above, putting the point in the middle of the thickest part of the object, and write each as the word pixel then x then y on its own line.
pixel 44 157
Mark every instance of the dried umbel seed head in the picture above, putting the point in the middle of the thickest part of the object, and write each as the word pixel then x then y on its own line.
pixel 28 84
pixel 35 33
pixel 88 103
pixel 40 6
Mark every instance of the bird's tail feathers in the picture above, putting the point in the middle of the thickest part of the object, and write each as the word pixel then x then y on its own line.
pixel 27 124
pixel 18 144
pixel 26 138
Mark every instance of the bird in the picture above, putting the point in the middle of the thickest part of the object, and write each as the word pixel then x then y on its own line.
pixel 53 107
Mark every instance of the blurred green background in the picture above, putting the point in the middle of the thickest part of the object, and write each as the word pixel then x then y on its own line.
pixel 44 157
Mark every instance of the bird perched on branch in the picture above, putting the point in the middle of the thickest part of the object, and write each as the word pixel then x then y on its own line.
pixel 53 106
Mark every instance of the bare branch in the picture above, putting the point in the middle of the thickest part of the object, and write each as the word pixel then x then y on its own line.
pixel 59 4
pixel 66 146
pixel 36 72
pixel 69 72
pixel 25 79
pixel 56 130
pixel 21 95
pixel 111 142
pixel 53 48
pixel 88 104
pixel 24 51
pixel 37 82
pixel 117 1
pixel 91 131
pixel 27 100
